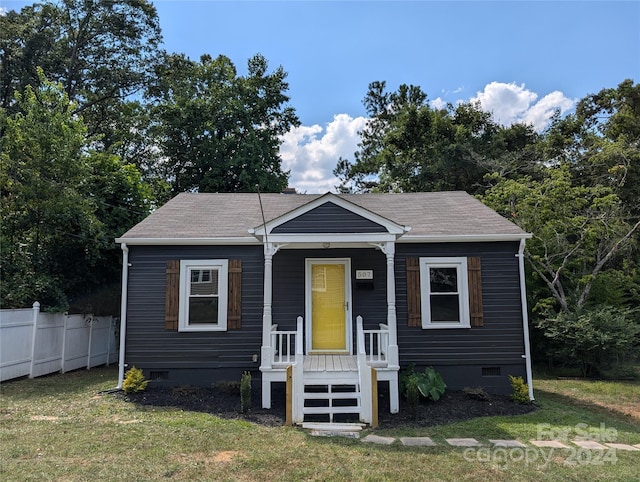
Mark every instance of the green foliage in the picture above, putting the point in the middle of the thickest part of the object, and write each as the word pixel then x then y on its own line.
pixel 100 51
pixel 428 384
pixel 594 339
pixel 412 392
pixel 577 230
pixel 408 146
pixel 134 381
pixel 62 204
pixel 520 390
pixel 220 131
pixel 245 392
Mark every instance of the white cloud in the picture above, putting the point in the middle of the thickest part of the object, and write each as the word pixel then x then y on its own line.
pixel 3 11
pixel 311 153
pixel 541 112
pixel 511 103
pixel 438 103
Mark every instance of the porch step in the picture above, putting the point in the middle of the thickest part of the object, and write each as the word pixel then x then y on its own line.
pixel 334 427
pixel 349 430
pixel 328 398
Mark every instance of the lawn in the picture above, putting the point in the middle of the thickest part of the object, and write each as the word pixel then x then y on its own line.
pixel 61 428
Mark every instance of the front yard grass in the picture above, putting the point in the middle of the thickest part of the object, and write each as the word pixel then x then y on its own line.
pixel 60 428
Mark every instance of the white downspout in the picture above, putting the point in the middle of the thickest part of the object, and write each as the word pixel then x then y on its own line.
pixel 123 312
pixel 525 319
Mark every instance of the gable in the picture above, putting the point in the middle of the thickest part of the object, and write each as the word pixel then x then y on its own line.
pixel 329 218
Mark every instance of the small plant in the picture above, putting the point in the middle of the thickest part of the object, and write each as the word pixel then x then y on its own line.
pixel 520 389
pixel 134 381
pixel 428 384
pixel 245 392
pixel 476 392
pixel 412 392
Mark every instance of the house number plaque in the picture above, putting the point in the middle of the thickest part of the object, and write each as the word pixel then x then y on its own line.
pixel 364 274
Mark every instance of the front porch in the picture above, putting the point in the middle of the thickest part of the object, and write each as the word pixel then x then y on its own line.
pixel 333 234
pixel 326 385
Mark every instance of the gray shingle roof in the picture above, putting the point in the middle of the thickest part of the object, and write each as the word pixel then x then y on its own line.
pixel 429 214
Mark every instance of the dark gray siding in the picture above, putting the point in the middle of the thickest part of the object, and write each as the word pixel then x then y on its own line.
pixel 193 357
pixel 201 358
pixel 461 354
pixel 329 218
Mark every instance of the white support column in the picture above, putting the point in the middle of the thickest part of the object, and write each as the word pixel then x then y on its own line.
pixel 266 351
pixel 267 321
pixel 389 249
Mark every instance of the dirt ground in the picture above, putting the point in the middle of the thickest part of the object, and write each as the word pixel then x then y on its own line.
pixel 225 403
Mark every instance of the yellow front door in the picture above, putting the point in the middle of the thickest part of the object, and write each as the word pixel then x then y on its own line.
pixel 328 307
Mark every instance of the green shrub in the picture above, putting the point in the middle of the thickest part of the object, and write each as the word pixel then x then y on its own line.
pixel 593 339
pixel 520 390
pixel 245 392
pixel 134 381
pixel 428 384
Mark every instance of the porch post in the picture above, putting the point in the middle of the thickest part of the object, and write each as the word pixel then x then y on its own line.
pixel 266 354
pixel 389 250
pixel 266 351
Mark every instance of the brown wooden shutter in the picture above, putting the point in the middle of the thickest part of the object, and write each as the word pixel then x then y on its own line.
pixel 172 295
pixel 413 293
pixel 475 291
pixel 234 307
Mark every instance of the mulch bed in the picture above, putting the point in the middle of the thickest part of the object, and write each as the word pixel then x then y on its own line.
pixel 454 406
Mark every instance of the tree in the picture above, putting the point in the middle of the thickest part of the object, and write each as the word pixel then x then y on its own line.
pixel 101 51
pixel 218 131
pixel 577 231
pixel 409 146
pixel 61 203
pixel 601 142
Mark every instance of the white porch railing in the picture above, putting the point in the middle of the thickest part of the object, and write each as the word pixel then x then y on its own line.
pixel 284 345
pixel 376 343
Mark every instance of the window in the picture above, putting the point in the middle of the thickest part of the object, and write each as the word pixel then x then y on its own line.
pixel 203 295
pixel 444 293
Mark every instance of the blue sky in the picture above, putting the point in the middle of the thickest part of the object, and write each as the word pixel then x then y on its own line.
pixel 332 50
pixel 520 59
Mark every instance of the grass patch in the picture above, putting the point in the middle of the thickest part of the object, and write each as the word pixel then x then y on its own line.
pixel 60 428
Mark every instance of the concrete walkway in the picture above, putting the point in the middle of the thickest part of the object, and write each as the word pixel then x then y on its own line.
pixel 354 431
pixel 472 442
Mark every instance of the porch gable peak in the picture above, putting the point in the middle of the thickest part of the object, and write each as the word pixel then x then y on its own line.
pixel 330 214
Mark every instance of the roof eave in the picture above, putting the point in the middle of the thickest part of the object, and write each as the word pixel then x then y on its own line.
pixel 464 238
pixel 248 240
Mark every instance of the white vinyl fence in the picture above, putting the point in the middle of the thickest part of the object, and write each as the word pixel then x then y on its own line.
pixel 35 344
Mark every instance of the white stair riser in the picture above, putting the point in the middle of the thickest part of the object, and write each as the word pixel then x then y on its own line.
pixel 347 390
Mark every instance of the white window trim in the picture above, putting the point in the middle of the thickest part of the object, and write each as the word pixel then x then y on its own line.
pixel 185 279
pixel 460 263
